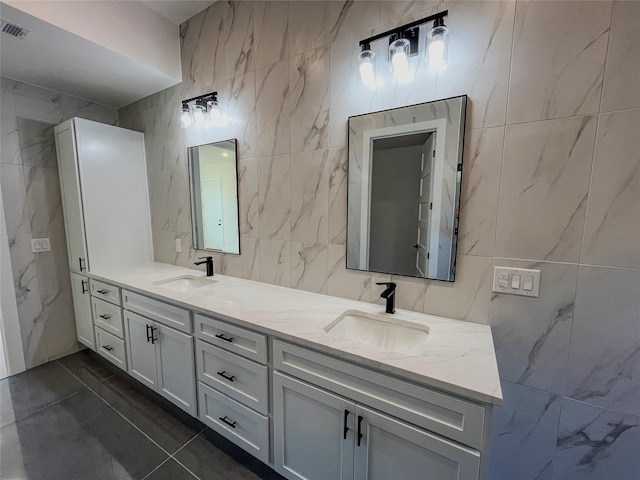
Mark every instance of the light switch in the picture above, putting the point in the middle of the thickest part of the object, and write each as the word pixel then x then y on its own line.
pixel 40 245
pixel 515 281
pixel 528 283
pixel 178 245
pixel 519 281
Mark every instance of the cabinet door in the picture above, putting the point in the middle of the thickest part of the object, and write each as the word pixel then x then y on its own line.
pixel 141 350
pixel 71 198
pixel 176 369
pixel 390 448
pixel 313 431
pixel 82 309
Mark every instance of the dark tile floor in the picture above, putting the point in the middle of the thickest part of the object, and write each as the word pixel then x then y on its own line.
pixel 80 418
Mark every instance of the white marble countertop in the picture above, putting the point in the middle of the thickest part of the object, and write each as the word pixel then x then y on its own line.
pixel 460 357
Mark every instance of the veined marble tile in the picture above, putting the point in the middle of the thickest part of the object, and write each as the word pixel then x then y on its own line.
pixel 310 196
pixel 524 434
pixel 52 268
pixel 79 107
pixel 10 152
pixel 337 225
pixel 275 262
pixel 37 143
pixel 202 47
pixel 271 31
pixel 248 197
pixel 309 267
pixel 14 195
pixel 239 39
pixel 612 227
pixel 348 18
pixel 467 298
pixel 164 244
pixel 481 168
pixel 622 76
pixel 179 201
pixel 594 444
pixel 167 132
pixel 246 265
pixel 239 99
pixel 531 335
pixel 545 169
pixel 8 121
pixel 346 283
pixel 44 199
pixel 558 59
pixel 272 109
pixel 410 292
pixel 274 188
pixel 392 9
pixel 159 185
pixel 604 358
pixel 308 26
pixel 309 100
pixel 59 334
pixel 479 55
pixel 48 110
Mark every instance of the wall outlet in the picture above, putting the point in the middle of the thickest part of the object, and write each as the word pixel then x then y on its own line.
pixel 516 281
pixel 40 245
pixel 178 245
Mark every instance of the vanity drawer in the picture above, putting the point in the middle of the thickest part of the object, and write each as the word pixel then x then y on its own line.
pixel 237 377
pixel 450 416
pixel 172 316
pixel 112 348
pixel 235 339
pixel 105 291
pixel 108 317
pixel 246 428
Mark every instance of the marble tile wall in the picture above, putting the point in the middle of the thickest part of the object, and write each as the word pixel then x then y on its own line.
pixel 33 209
pixel 551 181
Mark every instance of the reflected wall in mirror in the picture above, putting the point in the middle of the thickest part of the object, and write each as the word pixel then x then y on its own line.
pixel 213 181
pixel 405 168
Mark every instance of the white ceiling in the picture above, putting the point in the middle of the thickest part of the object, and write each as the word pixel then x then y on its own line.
pixel 55 58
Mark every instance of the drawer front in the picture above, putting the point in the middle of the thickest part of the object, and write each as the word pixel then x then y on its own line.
pixel 174 317
pixel 108 317
pixel 444 414
pixel 112 348
pixel 105 291
pixel 237 377
pixel 235 339
pixel 244 427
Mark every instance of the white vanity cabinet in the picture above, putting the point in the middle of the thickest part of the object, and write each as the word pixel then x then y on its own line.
pixel 159 356
pixel 82 308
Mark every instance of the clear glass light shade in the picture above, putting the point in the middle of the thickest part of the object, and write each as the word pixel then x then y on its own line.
pixel 399 54
pixel 185 117
pixel 214 111
pixel 367 68
pixel 437 48
pixel 199 114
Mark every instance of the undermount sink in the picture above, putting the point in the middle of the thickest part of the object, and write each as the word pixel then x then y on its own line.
pixel 185 283
pixel 385 332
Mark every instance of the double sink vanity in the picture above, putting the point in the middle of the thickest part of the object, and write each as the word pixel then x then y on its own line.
pixel 316 386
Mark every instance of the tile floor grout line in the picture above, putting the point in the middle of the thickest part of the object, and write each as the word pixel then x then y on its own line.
pixel 183 446
pixel 45 407
pixel 151 472
pixel 183 466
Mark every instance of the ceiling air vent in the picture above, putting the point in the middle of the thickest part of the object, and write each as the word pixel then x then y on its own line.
pixel 14 29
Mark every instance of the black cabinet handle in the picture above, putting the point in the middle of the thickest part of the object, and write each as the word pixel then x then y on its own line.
pixel 107 348
pixel 84 286
pixel 222 337
pixel 154 339
pixel 359 429
pixel 103 292
pixel 223 374
pixel 148 333
pixel 80 264
pixel 346 429
pixel 106 317
pixel 225 420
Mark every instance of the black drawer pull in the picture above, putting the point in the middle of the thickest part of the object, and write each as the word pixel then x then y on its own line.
pixel 106 317
pixel 346 429
pixel 80 260
pixel 103 292
pixel 84 286
pixel 154 339
pixel 107 348
pixel 222 337
pixel 225 420
pixel 223 374
pixel 359 429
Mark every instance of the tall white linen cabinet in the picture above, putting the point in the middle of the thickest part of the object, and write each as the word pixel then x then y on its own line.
pixel 105 198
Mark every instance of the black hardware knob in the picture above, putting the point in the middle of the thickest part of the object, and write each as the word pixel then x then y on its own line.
pixel 222 337
pixel 226 420
pixel 416 246
pixel 223 374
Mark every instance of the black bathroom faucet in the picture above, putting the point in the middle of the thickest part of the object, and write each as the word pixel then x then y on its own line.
pixel 389 295
pixel 209 262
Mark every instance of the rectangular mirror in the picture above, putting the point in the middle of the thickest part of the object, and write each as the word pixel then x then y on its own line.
pixel 213 181
pixel 405 168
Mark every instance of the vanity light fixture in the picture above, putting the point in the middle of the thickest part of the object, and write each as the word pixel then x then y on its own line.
pixel 200 111
pixel 404 43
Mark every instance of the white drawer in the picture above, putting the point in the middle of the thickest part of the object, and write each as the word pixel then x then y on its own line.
pixel 112 348
pixel 105 291
pixel 235 339
pixel 237 377
pixel 246 428
pixel 172 316
pixel 108 317
pixel 450 416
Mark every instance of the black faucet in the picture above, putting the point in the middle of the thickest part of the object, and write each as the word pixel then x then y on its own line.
pixel 209 262
pixel 389 295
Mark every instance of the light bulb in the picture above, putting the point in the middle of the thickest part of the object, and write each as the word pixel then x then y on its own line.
pixel 185 116
pixel 214 111
pixel 198 113
pixel 367 67
pixel 437 46
pixel 400 67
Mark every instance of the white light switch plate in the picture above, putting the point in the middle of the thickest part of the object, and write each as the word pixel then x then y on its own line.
pixel 528 281
pixel 40 245
pixel 178 245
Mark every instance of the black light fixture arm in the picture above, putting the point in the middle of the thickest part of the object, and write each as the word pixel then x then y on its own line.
pixel 399 30
pixel 206 97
